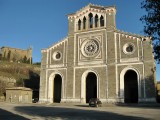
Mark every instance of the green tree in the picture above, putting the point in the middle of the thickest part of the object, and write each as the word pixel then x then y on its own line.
pixel 9 55
pixel 4 54
pixel 25 59
pixel 152 24
pixel 3 86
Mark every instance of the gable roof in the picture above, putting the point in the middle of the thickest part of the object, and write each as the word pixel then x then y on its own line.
pixel 56 44
pixel 128 34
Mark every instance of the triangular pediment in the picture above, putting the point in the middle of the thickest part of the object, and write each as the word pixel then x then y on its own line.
pixel 55 45
pixel 59 43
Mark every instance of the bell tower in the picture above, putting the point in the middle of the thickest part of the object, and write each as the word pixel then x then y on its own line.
pixel 92 17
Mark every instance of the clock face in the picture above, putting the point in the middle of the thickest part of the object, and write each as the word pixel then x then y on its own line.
pixel 90 48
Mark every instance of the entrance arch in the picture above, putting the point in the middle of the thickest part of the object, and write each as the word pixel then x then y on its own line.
pixel 55 87
pixel 130 87
pixel 89 86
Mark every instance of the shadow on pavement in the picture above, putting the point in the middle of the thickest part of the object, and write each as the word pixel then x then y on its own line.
pixel 72 113
pixel 82 105
pixel 140 105
pixel 5 115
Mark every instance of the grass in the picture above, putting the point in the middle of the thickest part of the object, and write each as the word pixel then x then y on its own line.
pixel 18 70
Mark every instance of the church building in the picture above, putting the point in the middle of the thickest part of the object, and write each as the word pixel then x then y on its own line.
pixel 96 60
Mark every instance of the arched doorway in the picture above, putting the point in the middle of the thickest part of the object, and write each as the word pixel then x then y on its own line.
pixel 130 87
pixel 91 86
pixel 57 88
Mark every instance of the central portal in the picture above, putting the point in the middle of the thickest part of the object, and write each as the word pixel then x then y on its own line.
pixel 91 86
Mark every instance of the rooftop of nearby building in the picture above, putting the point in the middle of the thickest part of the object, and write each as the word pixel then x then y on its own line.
pixel 19 88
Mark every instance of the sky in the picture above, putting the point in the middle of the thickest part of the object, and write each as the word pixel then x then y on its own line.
pixel 41 23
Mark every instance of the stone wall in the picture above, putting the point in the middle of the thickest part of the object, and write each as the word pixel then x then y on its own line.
pixel 16 55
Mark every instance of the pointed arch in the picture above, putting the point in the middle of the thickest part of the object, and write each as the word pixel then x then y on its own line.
pixel 122 81
pixel 91 86
pixel 57 88
pixel 79 24
pixel 84 22
pixel 51 82
pixel 101 21
pixel 96 20
pixel 87 75
pixel 130 87
pixel 90 20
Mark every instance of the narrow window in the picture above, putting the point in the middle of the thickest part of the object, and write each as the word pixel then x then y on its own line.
pixel 84 22
pixel 101 21
pixel 96 20
pixel 91 20
pixel 79 24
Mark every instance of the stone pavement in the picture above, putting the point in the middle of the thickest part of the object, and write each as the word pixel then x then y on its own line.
pixel 71 111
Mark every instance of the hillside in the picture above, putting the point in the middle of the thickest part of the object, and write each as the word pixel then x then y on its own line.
pixel 18 74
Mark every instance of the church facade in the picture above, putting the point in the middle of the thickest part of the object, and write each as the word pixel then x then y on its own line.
pixel 96 60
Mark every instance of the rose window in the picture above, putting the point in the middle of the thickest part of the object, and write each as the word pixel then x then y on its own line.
pixel 57 55
pixel 90 48
pixel 129 48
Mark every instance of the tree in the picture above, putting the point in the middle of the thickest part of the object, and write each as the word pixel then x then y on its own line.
pixel 9 55
pixel 25 59
pixel 3 86
pixel 152 24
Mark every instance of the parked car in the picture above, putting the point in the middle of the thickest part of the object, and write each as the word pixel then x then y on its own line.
pixel 95 102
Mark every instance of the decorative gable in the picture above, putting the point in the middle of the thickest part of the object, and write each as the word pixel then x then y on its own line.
pixel 92 16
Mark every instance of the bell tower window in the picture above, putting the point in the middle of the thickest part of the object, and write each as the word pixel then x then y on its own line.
pixel 101 21
pixel 90 20
pixel 79 24
pixel 96 20
pixel 84 23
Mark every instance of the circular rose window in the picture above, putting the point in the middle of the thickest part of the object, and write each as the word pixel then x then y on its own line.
pixel 129 48
pixel 90 48
pixel 57 55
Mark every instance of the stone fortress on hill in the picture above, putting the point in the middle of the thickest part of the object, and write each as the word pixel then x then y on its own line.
pixel 96 60
pixel 16 55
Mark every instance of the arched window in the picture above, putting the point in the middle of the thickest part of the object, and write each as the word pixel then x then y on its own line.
pixel 90 20
pixel 101 21
pixel 84 22
pixel 96 20
pixel 79 24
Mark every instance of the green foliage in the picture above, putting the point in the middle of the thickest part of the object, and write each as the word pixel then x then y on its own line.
pixel 24 59
pixel 37 63
pixel 17 70
pixel 9 55
pixel 26 75
pixel 20 82
pixel 152 23
pixel 2 87
pixel 33 80
pixel 4 54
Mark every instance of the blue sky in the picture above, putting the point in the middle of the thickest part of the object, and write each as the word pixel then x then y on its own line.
pixel 41 23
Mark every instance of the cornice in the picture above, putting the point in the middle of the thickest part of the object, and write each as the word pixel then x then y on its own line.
pixel 58 43
pixel 55 45
pixel 132 35
pixel 92 8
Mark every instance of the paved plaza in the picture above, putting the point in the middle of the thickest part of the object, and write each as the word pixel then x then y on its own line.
pixel 67 111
